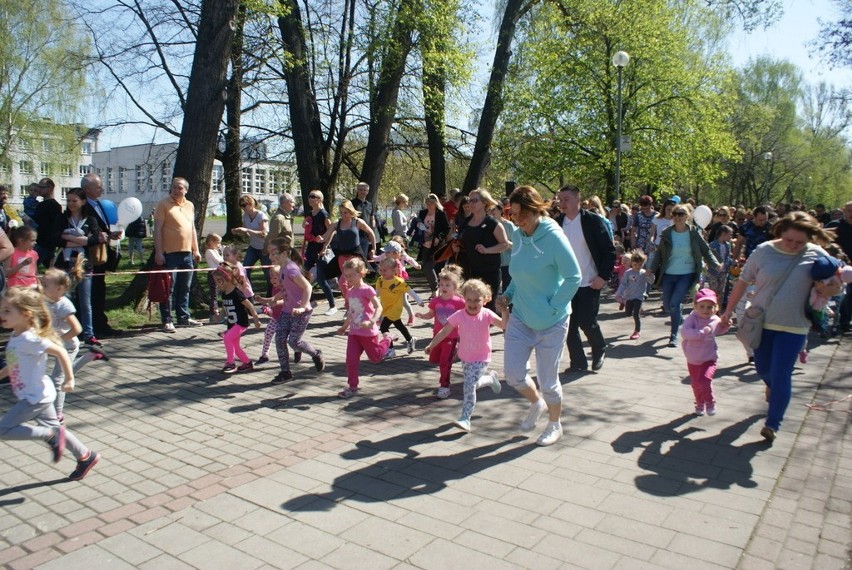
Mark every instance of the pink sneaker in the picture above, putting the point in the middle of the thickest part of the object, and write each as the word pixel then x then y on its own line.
pixel 635 335
pixel 803 357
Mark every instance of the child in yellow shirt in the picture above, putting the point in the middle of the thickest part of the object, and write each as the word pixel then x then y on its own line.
pixel 392 290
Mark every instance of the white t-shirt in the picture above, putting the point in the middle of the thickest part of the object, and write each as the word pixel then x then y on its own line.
pixel 255 224
pixel 26 360
pixel 213 257
pixel 59 312
pixel 574 232
pixel 660 223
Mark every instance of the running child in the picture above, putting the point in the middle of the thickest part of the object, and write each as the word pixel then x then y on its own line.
pixel 392 290
pixel 237 309
pixel 32 339
pixel 699 332
pixel 213 257
pixel 441 306
pixel 22 266
pixel 362 316
pixel 272 307
pixel 631 291
pixel 295 312
pixel 66 325
pixel 395 249
pixel 232 255
pixel 472 324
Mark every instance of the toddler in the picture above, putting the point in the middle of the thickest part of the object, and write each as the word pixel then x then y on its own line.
pixel 232 255
pixel 30 205
pixel 699 331
pixel 441 306
pixel 213 257
pixel 22 265
pixel 472 324
pixel 362 314
pixel 237 308
pixel 631 291
pixel 392 290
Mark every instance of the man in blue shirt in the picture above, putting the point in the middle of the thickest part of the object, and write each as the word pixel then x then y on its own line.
pixel 755 232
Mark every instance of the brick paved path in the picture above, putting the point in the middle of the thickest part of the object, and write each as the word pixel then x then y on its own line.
pixel 207 471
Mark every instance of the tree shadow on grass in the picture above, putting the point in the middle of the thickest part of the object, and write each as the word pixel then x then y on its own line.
pixel 680 465
pixel 408 473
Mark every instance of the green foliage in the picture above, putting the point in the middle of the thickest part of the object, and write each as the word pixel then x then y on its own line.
pixel 42 83
pixel 560 117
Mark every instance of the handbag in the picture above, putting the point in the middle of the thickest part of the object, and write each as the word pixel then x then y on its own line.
pixel 159 286
pixel 98 254
pixel 750 327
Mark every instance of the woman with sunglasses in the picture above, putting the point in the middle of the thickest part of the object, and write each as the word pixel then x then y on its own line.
pixel 255 227
pixel 679 261
pixel 483 239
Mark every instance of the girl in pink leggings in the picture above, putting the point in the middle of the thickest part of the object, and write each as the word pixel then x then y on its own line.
pixel 699 333
pixel 237 309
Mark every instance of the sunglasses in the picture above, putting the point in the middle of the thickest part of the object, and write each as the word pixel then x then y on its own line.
pixel 313 197
pixel 679 213
pixel 474 200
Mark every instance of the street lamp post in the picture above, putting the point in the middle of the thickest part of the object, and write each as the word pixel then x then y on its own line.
pixel 767 156
pixel 620 61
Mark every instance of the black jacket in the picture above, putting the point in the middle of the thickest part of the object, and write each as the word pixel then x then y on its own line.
pixel 597 237
pixel 442 226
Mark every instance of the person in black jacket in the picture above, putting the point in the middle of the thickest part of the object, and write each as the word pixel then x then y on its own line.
pixel 595 252
pixel 48 220
pixel 433 222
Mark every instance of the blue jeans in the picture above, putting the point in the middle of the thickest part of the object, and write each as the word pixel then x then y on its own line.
pixel 675 288
pixel 548 344
pixel 252 256
pixel 83 293
pixel 179 291
pixel 774 360
pixel 311 260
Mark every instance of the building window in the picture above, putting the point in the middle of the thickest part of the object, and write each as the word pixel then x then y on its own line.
pixel 26 166
pixel 46 170
pixel 5 167
pixel 246 181
pixel 85 169
pixel 87 147
pixel 108 183
pixel 66 170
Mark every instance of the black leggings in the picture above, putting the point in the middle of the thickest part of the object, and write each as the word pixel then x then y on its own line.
pixel 634 307
pixel 385 327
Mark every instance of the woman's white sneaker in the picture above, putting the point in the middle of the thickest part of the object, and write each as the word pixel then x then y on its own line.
pixel 537 409
pixel 551 434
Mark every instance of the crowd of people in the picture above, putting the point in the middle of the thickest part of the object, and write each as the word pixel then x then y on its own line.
pixel 533 268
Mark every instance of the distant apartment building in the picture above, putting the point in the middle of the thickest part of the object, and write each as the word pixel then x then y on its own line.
pixel 145 171
pixel 44 155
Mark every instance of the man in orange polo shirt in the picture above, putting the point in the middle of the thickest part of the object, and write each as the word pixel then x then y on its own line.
pixel 176 247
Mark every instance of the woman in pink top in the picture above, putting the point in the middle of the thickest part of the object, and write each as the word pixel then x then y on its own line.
pixel 473 323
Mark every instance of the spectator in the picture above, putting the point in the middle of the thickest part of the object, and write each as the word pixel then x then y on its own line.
pixel 399 217
pixel 753 233
pixel 367 213
pixel 281 223
pixel 136 232
pixel 255 227
pixel 435 228
pixel 595 253
pixel 640 225
pixel 176 247
pixel 47 218
pixel 7 212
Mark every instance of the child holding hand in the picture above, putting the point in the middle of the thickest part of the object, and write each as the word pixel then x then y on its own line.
pixel 699 331
pixel 472 324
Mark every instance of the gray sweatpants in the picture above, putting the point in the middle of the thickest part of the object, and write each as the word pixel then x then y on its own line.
pixel 13 426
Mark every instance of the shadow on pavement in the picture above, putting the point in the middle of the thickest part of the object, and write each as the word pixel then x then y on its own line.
pixel 681 465
pixel 27 487
pixel 410 474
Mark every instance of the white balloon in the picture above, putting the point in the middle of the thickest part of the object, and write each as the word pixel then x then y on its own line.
pixel 129 210
pixel 702 216
pixel 13 224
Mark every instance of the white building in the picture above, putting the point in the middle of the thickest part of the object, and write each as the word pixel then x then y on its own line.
pixel 32 158
pixel 146 171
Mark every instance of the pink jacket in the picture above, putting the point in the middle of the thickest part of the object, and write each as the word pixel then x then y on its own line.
pixel 699 338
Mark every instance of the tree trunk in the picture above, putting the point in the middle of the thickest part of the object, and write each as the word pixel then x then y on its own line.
pixel 494 97
pixel 384 100
pixel 434 90
pixel 233 120
pixel 304 114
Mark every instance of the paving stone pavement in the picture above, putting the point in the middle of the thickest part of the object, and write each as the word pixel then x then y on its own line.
pixel 203 470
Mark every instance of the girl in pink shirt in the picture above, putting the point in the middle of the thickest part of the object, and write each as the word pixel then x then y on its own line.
pixel 363 313
pixel 699 332
pixel 441 307
pixel 21 267
pixel 474 348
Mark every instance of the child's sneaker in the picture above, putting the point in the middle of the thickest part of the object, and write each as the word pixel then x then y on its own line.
pixel 463 424
pixel 57 444
pixel 711 410
pixel 297 356
pixel 283 376
pixel 319 361
pixel 229 368
pixel 246 367
pixel 635 335
pixel 262 360
pixel 410 320
pixel 347 392
pixel 99 353
pixel 410 345
pixel 85 465
pixel 495 382
pixel 391 353
pixel 443 392
pixel 699 409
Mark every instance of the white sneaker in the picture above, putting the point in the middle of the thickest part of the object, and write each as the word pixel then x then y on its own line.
pixel 391 353
pixel 443 392
pixel 410 345
pixel 551 434
pixel 495 382
pixel 331 312
pixel 537 409
pixel 463 424
pixel 169 327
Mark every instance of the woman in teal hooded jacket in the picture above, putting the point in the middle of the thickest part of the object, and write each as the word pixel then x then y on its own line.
pixel 545 276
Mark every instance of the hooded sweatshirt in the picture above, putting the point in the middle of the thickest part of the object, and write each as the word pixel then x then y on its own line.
pixel 545 276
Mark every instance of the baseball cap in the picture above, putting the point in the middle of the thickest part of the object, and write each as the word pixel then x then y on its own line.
pixel 706 295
